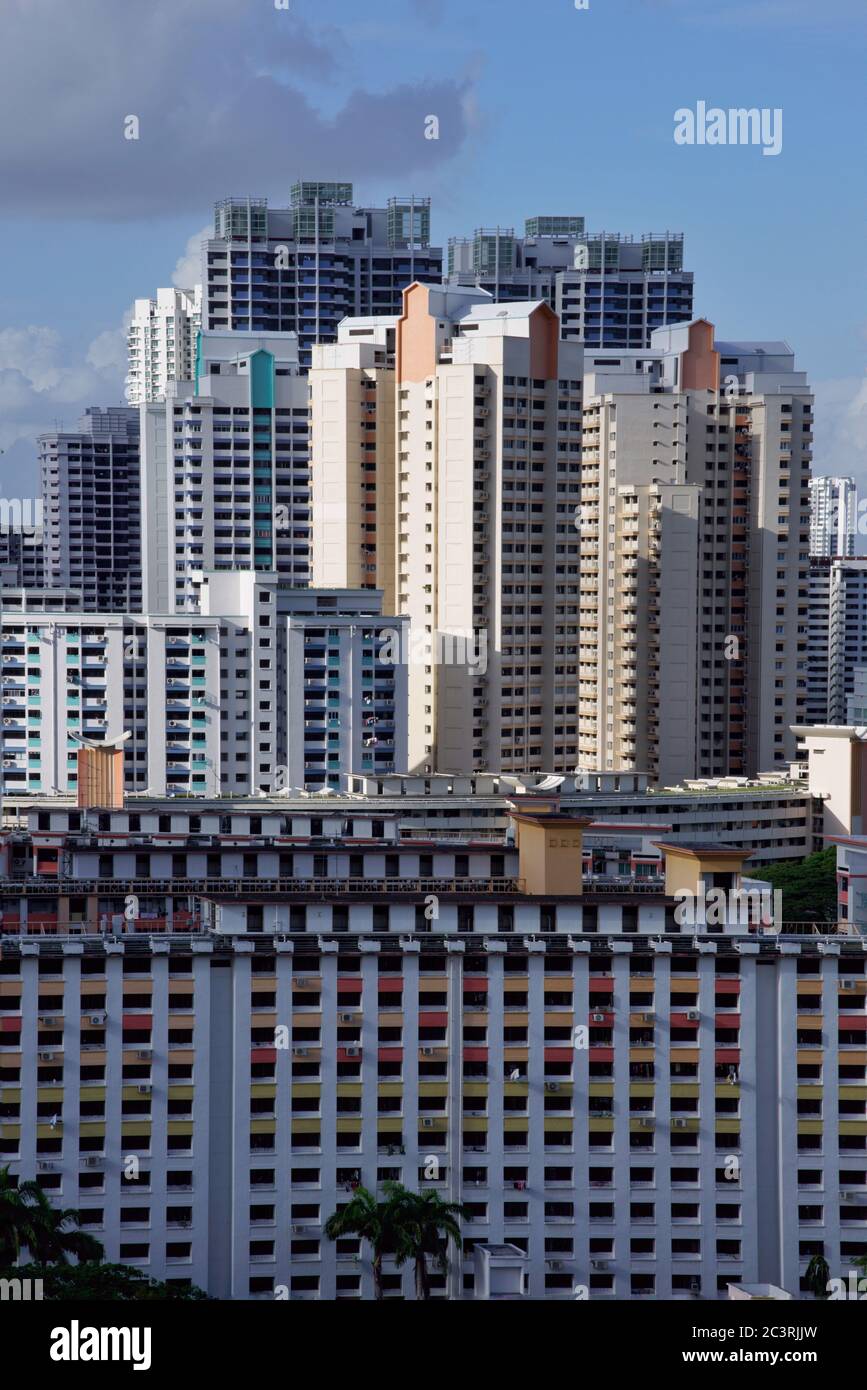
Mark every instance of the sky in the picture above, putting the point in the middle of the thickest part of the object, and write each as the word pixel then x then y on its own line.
pixel 543 107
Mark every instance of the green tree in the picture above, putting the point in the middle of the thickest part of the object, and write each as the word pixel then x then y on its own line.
pixel 428 1224
pixel 380 1223
pixel 27 1218
pixel 92 1282
pixel 808 886
pixel 817 1275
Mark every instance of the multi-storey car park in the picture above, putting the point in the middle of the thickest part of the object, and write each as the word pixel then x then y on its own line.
pixel 208 1039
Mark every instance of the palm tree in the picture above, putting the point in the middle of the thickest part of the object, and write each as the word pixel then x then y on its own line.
pixel 379 1223
pixel 28 1218
pixel 817 1275
pixel 429 1223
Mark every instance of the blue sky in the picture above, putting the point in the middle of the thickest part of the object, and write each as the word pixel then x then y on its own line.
pixel 543 108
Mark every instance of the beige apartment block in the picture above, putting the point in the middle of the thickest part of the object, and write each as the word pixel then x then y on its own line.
pixel 694 528
pixel 459 497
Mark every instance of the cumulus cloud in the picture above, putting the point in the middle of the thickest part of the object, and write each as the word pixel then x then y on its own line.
pixel 217 90
pixel 841 428
pixel 188 268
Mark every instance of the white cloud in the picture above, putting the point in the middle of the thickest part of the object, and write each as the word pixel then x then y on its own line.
pixel 188 269
pixel 841 428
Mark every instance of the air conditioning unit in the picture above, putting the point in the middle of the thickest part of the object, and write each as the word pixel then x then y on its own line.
pixel 49 1020
pixel 597 1018
pixel 97 1020
pixel 645 1122
pixel 844 984
pixel 46 1056
pixel 428 1051
pixel 648 1016
pixel 552 1085
pixel 144 1054
pixel 693 1015
pixel 92 1162
pixel 428 1124
pixel 352 1051
pixel 598 1264
pixel 144 1089
pixel 345 1018
pixel 554 1264
pixel 679 1124
pixel 302 984
pixel 298 1230
pixel 7 721
pixel 299 1051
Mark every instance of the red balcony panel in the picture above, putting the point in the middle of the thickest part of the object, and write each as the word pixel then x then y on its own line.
pixel 431 1020
pixel 475 984
pixel 680 1020
pixel 386 986
pixel 853 1023
pixel 597 1054
pixel 390 1054
pixel 606 1017
pixel 263 1054
pixel 475 1054
pixel 727 1054
pixel 344 1056
pixel 728 986
pixel 727 1020
pixel 138 1021
pixel 10 1025
pixel 349 984
pixel 599 984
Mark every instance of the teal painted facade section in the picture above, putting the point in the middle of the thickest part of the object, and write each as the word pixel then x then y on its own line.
pixel 262 380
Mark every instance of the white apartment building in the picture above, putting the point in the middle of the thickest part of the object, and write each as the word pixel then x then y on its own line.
pixel 470 481
pixel 833 516
pixel 161 343
pixel 693 531
pixel 224 469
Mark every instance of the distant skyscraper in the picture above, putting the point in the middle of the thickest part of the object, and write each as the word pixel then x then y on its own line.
pixel 303 268
pixel 847 633
pixel 608 290
pixel 22 555
pixel 161 343
pixel 91 510
pixel 818 640
pixel 224 469
pixel 833 516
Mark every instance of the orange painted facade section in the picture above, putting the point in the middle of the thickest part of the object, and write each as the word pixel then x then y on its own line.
pixel 416 347
pixel 100 777
pixel 699 365
pixel 544 341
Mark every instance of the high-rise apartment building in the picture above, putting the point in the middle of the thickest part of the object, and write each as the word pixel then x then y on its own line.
pixel 92 513
pixel 161 343
pixel 846 633
pixel 22 555
pixel 303 268
pixel 608 290
pixel 833 516
pixel 225 469
pixel 818 640
pixel 455 491
pixel 268 688
pixel 694 556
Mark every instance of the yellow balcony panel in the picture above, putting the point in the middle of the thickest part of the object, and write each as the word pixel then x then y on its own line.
pixel 684 984
pixel 188 1092
pixel 810 1127
pixel 390 1020
pixel 809 1092
pixel 130 1128
pixel 347 1125
pixel 181 1057
pixel 431 1052
pixel 853 1126
pixel 45 1131
pixel 558 984
pixel 137 986
pixel 514 1019
pixel 10 989
pixel 513 1088
pixel 805 1058
pixel 476 1088
pixel 681 1090
pixel 601 1125
pixel 848 1057
pixel 389 1124
pixel 516 1054
pixel 306 1126
pixel 517 1124
pixel 352 1089
pixel 306 1090
pixel 263 1127
pixel 183 1126
pixel 432 984
pixel 685 1054
pixel 263 1091
pixel 565 1088
pixel 425 1088
pixel 51 1093
pixel 559 1124
pixel 130 1091
pixel 726 1092
pixel 312 984
pixel 264 982
pixel 475 1020
pixel 806 987
pixel 641 1089
pixel 516 984
pixel 688 1122
pixel 641 1054
pixel 13 1096
pixel 725 1124
pixel 812 1022
pixel 860 986
pixel 850 1092
pixel 313 1051
pixel 265 1018
pixel 89 1129
pixel 475 1124
pixel 13 1059
pixel 637 1019
pixel 558 1020
pixel 600 1088
pixel 8 1131
pixel 306 1020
